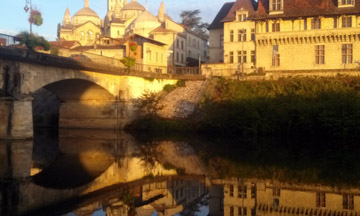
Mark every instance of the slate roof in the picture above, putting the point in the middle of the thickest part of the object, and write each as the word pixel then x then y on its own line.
pixel 306 8
pixel 249 5
pixel 216 23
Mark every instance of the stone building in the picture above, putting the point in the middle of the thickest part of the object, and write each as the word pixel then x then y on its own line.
pixel 251 197
pixel 287 35
pixel 125 19
pixel 308 34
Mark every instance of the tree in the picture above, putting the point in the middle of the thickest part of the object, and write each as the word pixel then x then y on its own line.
pixel 191 19
pixel 31 41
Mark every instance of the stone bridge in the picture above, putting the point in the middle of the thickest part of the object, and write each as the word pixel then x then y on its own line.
pixel 44 90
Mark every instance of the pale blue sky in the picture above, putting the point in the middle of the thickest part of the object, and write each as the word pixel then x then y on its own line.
pixel 14 18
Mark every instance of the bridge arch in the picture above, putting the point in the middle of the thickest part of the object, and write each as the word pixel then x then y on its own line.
pixel 75 103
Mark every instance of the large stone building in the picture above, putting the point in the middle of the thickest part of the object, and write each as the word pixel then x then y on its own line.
pixel 287 35
pixel 168 39
pixel 254 197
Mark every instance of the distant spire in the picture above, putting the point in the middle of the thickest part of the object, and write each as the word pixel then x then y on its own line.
pixel 66 19
pixel 162 11
pixel 117 9
pixel 86 3
pixel 146 6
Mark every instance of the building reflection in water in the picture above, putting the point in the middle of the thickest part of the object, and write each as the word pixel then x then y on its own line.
pixel 239 197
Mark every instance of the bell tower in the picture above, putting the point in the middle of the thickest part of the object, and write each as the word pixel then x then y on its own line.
pixel 112 4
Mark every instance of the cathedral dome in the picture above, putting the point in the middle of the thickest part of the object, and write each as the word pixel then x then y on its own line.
pixel 133 6
pixel 86 12
pixel 144 24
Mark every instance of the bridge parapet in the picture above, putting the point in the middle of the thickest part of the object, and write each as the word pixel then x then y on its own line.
pixel 21 55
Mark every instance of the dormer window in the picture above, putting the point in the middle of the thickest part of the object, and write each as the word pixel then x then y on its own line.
pixel 241 15
pixel 346 3
pixel 276 6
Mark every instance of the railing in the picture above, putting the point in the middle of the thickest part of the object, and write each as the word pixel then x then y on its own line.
pixel 9 39
pixel 91 57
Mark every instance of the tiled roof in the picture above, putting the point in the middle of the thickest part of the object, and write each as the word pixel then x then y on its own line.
pixel 64 44
pixel 304 8
pixel 216 23
pixel 249 5
pixel 161 30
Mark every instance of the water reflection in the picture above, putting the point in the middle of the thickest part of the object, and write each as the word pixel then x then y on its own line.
pixel 92 172
pixel 250 197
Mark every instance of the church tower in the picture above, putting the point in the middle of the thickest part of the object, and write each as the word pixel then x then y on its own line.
pixel 162 12
pixel 67 18
pixel 112 4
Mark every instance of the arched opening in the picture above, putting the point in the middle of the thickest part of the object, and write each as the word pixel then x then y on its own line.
pixel 61 112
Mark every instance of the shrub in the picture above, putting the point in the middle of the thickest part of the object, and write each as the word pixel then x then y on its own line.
pixel 169 88
pixel 31 41
pixel 181 83
pixel 149 103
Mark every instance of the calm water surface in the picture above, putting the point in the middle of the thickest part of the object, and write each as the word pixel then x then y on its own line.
pixel 91 172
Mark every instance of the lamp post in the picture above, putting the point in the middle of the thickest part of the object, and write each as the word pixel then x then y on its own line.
pixel 28 6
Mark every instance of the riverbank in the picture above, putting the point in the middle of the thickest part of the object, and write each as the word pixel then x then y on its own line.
pixel 296 107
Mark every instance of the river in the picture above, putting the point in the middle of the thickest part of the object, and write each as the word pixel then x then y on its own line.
pixel 100 172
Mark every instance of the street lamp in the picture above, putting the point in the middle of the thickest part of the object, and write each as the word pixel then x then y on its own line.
pixel 28 6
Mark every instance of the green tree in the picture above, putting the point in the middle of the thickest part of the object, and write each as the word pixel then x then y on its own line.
pixel 192 20
pixel 128 62
pixel 31 41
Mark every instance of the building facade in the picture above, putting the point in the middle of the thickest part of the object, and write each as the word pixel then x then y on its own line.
pixel 254 197
pixel 288 35
pixel 314 35
pixel 125 19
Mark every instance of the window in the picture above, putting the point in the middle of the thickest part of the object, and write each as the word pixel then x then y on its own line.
pixel 276 5
pixel 276 56
pixel 335 22
pixel 253 56
pixel 242 211
pixel 242 17
pixel 305 24
pixel 231 211
pixel 316 23
pixel 231 186
pixel 231 35
pixel 182 58
pixel 253 34
pixel 194 43
pixel 241 56
pixel 242 35
pixel 82 36
pixel 221 40
pixel 231 61
pixel 242 190
pixel 177 43
pixel 276 27
pixel 347 53
pixel 320 200
pixel 346 22
pixel 348 201
pixel 177 57
pixel 182 45
pixel 253 212
pixel 320 54
pixel 253 190
pixel 346 2
pixel 276 192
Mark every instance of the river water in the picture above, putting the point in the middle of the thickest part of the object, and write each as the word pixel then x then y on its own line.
pixel 92 172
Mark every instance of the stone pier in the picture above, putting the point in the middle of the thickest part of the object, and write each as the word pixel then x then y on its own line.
pixel 16 117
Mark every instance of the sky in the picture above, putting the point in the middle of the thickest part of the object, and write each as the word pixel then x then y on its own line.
pixel 14 19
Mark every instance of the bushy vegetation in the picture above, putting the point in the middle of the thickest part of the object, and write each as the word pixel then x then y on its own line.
pixel 328 107
pixel 169 88
pixel 31 41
